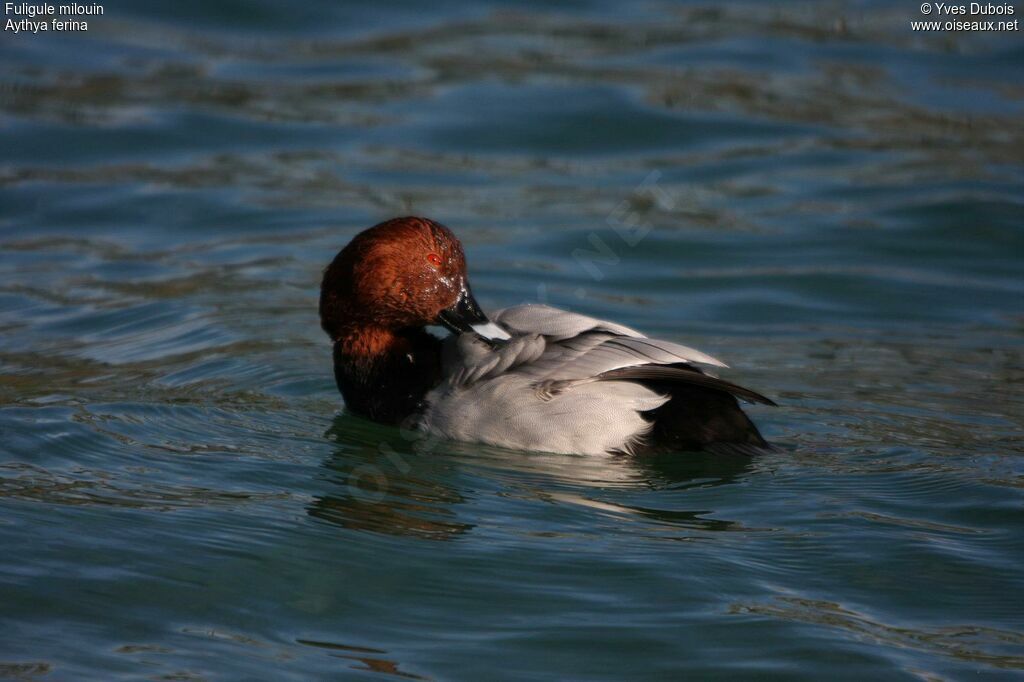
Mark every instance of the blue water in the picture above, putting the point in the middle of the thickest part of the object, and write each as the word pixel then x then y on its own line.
pixel 823 198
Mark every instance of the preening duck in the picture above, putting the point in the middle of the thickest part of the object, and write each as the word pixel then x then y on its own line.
pixel 529 377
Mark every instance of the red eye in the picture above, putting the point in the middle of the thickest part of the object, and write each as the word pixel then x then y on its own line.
pixel 434 259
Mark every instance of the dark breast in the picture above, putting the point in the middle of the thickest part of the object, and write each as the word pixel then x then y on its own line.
pixel 391 387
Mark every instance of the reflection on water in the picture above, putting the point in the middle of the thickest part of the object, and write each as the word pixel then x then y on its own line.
pixel 385 490
pixel 406 489
pixel 827 200
pixel 368 657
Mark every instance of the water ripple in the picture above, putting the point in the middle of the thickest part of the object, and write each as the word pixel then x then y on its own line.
pixel 823 198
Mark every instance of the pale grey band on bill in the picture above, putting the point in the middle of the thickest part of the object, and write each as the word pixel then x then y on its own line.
pixel 491 332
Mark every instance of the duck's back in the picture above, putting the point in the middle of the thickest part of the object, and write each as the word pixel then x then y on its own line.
pixel 570 383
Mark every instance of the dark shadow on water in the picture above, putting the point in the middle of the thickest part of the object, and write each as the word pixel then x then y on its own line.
pixel 398 483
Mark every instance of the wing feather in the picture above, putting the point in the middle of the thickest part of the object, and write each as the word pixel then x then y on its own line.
pixel 683 375
pixel 557 325
pixel 549 344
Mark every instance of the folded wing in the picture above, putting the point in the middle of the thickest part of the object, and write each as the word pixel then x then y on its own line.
pixel 559 349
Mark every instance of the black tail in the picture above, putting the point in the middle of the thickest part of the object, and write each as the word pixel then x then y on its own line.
pixel 702 413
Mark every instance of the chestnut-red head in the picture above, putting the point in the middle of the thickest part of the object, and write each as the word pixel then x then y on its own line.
pixel 402 273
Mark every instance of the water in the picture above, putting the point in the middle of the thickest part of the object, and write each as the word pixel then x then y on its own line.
pixel 814 193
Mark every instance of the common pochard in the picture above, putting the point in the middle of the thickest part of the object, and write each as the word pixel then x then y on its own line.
pixel 529 377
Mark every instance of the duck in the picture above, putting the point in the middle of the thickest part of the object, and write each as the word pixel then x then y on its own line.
pixel 528 377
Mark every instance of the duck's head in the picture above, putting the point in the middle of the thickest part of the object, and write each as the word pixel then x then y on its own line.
pixel 403 273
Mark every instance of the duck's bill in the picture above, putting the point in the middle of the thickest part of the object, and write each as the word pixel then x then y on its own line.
pixel 466 317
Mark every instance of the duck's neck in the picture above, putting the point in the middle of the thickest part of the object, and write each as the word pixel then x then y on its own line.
pixel 384 374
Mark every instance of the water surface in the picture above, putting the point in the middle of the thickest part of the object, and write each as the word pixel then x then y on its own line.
pixel 823 198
